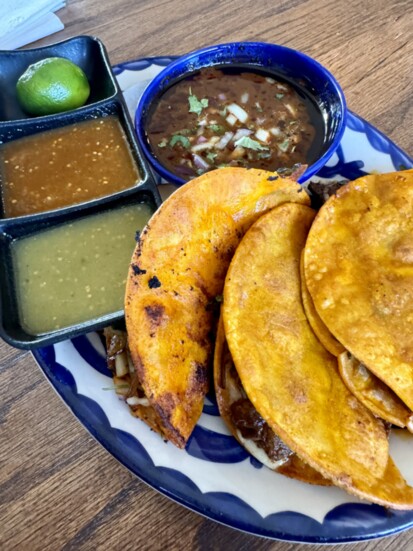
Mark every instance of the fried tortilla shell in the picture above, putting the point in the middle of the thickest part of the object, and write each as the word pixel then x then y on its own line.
pixel 390 490
pixel 247 425
pixel 177 271
pixel 321 331
pixel 358 264
pixel 373 393
pixel 119 362
pixel 291 379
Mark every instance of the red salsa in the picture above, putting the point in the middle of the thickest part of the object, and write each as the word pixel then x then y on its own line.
pixel 227 117
pixel 65 166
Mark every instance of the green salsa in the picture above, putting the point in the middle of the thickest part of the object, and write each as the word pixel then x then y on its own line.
pixel 76 271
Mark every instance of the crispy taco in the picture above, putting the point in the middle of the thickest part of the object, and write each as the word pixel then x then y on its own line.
pixel 358 264
pixel 247 425
pixel 320 329
pixel 373 393
pixel 290 378
pixel 177 271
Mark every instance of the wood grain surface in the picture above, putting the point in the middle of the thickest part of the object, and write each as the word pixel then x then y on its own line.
pixel 58 488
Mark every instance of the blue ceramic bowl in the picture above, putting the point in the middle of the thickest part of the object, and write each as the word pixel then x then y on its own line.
pixel 290 64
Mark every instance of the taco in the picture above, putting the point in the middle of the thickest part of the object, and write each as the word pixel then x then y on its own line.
pixel 247 425
pixel 290 378
pixel 358 264
pixel 177 271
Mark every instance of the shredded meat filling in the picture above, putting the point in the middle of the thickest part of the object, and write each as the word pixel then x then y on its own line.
pixel 253 427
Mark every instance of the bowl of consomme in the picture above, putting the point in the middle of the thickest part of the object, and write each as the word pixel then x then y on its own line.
pixel 75 191
pixel 248 104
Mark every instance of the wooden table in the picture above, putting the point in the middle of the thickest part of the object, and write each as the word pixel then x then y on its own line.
pixel 58 488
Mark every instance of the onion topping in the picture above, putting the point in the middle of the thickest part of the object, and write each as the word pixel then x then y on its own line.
pixel 238 112
pixel 240 133
pixel 275 132
pixel 231 119
pixel 204 145
pixel 262 135
pixel 199 162
pixel 135 401
pixel 245 97
pixel 224 141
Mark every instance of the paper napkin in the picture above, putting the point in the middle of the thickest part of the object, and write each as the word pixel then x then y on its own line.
pixel 24 21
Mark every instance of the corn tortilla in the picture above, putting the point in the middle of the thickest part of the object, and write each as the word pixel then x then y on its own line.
pixel 290 378
pixel 358 264
pixel 177 270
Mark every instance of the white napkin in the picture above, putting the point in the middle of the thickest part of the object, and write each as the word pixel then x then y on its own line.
pixel 24 21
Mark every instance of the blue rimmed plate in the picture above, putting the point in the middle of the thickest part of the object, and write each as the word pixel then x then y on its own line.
pixel 214 475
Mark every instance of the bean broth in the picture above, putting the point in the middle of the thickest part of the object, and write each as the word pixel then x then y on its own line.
pixel 233 117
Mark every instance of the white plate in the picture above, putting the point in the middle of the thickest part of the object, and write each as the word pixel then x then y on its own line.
pixel 214 475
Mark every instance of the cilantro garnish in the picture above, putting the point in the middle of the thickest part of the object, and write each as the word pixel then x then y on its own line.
pixel 211 156
pixel 162 143
pixel 279 96
pixel 177 138
pixel 196 105
pixel 284 145
pixel 217 128
pixel 248 143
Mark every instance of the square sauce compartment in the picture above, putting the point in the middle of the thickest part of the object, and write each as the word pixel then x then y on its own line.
pixel 85 51
pixel 69 161
pixel 64 278
pixel 64 166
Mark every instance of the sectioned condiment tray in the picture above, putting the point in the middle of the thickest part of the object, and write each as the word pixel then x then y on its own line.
pixel 105 104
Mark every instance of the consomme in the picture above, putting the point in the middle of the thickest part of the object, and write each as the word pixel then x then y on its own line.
pixel 234 117
pixel 65 166
pixel 75 272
